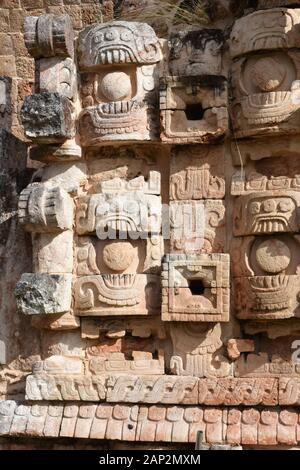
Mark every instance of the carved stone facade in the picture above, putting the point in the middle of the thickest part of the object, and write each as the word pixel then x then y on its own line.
pixel 162 225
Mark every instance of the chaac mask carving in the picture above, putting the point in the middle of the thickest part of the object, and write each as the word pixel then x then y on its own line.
pixel 265 73
pixel 265 256
pixel 118 62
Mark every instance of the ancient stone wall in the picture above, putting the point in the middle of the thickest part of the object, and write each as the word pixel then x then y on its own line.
pixel 150 207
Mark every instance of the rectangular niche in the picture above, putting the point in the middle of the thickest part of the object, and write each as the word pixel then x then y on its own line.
pixel 196 288
pixel 193 109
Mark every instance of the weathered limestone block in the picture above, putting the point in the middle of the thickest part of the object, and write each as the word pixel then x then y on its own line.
pixel 197 226
pixel 235 392
pixel 289 391
pixel 196 53
pixel 265 82
pixel 283 147
pixel 68 150
pixel 6 105
pixel 61 322
pixel 193 109
pixel 57 76
pixel 49 36
pixel 44 293
pixel 274 329
pixel 197 350
pixel 92 328
pixel 53 253
pixel 152 389
pixel 134 214
pixel 266 365
pixel 117 294
pixel 142 363
pixel 7 410
pixel 265 30
pixel 268 174
pixel 60 365
pixel 65 387
pixel 151 185
pixel 20 418
pixel 197 173
pixel 48 117
pixel 119 85
pixel 267 297
pixel 53 421
pixel 196 288
pixel 69 176
pixel 237 346
pixel 45 209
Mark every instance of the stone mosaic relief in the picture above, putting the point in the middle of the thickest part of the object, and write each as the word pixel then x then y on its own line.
pixel 164 224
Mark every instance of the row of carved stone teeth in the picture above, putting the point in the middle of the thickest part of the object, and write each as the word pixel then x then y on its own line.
pixel 266 41
pixel 116 56
pixel 117 107
pixel 117 130
pixel 270 281
pixel 119 280
pixel 268 226
pixel 273 97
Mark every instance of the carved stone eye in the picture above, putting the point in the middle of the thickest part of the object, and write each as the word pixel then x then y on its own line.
pixel 102 209
pixel 269 205
pixel 273 256
pixel 268 73
pixel 126 36
pixel 254 208
pixel 285 206
pixel 98 38
pixel 110 35
pixel 132 207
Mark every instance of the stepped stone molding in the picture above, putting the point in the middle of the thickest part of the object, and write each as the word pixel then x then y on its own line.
pixel 151 423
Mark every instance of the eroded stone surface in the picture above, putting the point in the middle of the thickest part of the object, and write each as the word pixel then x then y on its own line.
pixel 47 117
pixel 44 293
pixel 138 247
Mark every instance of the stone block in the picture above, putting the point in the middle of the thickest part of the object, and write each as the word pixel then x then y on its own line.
pixel 57 76
pixel 265 30
pixel 49 36
pixel 48 118
pixel 196 53
pixel 197 226
pixel 197 350
pixel 117 294
pixel 152 389
pixel 193 109
pixel 197 173
pixel 235 392
pixel 195 288
pixel 44 293
pixel 237 346
pixel 67 151
pixel 45 209
pixel 53 253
